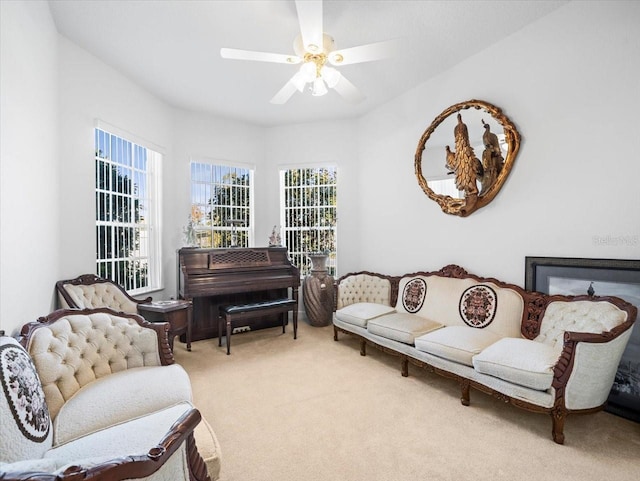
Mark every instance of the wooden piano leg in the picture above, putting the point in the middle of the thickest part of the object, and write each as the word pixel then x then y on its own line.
pixel 189 326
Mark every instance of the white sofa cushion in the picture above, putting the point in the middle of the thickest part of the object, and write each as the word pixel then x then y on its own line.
pixel 137 392
pixel 362 312
pixel 401 327
pixel 520 361
pixel 456 343
pixel 25 424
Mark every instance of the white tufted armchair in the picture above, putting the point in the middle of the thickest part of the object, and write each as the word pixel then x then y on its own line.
pixel 89 291
pixel 109 401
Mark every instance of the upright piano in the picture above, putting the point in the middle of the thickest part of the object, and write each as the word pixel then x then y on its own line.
pixel 214 277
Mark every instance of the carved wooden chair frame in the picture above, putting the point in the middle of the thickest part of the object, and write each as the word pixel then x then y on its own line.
pixel 139 465
pixel 88 280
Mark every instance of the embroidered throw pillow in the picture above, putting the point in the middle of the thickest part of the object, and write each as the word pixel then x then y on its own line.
pixel 478 306
pixel 24 416
pixel 413 295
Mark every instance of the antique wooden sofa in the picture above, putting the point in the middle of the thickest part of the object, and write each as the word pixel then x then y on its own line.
pixel 95 394
pixel 551 354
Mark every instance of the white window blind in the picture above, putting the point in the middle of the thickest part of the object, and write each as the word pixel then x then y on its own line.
pixel 127 213
pixel 222 205
pixel 309 199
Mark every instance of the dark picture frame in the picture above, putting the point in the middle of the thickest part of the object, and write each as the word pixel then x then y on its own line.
pixel 600 277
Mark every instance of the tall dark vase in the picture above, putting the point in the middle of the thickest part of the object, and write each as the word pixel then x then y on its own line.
pixel 317 292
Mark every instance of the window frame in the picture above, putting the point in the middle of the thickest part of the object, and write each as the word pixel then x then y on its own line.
pixel 249 230
pixel 298 255
pixel 152 208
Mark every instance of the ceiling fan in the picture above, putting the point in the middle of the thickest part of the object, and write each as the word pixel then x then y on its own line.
pixel 317 53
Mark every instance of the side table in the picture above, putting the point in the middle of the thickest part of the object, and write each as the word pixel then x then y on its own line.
pixel 178 313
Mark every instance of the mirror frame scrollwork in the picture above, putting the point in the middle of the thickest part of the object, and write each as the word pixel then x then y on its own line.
pixel 470 203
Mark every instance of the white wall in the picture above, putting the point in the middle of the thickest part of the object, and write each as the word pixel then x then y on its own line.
pixel 570 84
pixel 90 90
pixel 206 138
pixel 314 144
pixel 29 163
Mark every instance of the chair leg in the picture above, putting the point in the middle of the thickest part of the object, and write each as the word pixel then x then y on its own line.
pixel 464 392
pixel 228 335
pixel 558 416
pixel 219 331
pixel 404 366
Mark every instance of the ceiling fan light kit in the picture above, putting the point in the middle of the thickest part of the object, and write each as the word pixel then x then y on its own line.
pixel 331 76
pixel 314 49
pixel 319 88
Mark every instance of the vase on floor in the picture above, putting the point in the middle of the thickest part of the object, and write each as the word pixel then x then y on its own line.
pixel 317 292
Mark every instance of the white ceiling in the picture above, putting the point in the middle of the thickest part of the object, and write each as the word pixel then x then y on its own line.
pixel 172 47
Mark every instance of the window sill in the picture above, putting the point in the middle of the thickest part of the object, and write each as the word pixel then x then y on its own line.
pixel 145 292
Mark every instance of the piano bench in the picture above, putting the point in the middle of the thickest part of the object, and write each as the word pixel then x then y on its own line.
pixel 239 312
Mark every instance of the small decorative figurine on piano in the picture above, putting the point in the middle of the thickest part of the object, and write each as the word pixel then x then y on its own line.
pixel 274 238
pixel 189 234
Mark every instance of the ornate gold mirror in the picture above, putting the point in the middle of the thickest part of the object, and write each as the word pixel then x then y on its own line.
pixel 470 152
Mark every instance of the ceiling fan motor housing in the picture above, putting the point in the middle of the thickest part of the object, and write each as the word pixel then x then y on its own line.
pixel 328 46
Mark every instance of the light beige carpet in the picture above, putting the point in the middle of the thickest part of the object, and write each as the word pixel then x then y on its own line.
pixel 314 409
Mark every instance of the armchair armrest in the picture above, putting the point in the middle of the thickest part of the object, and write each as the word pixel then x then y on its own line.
pixel 180 435
pixel 587 366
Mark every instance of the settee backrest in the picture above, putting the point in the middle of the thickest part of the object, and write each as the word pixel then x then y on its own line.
pixel 596 315
pixel 364 287
pixel 452 295
pixel 73 348
pixel 462 302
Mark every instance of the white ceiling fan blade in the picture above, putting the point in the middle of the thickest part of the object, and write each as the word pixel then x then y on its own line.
pixel 284 94
pixel 310 18
pixel 364 53
pixel 235 54
pixel 348 91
